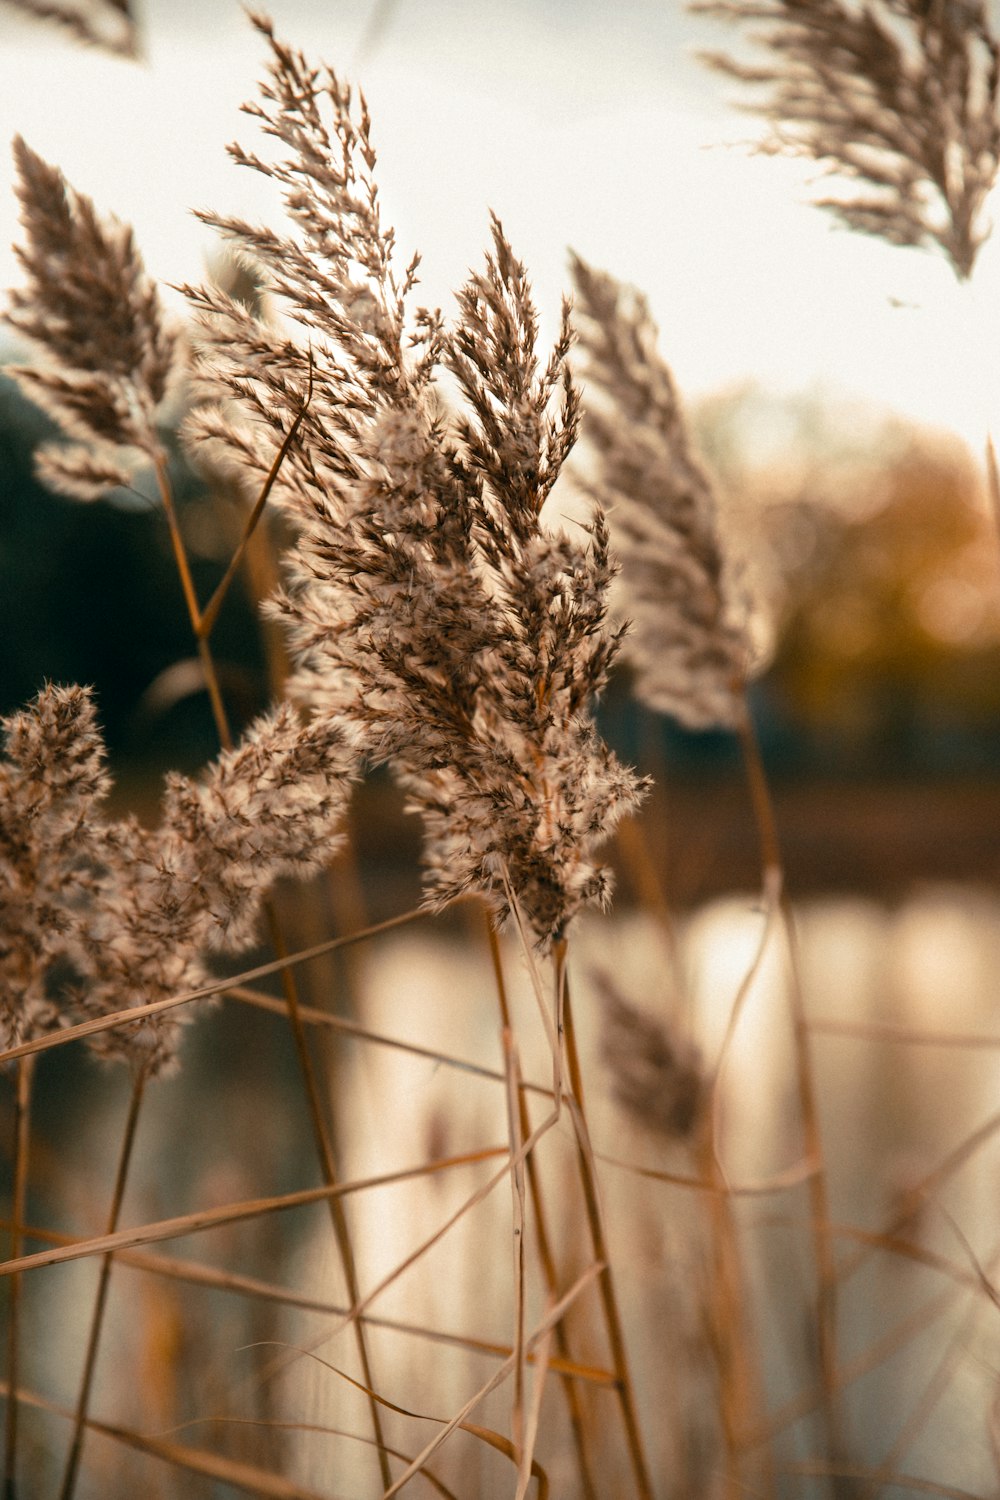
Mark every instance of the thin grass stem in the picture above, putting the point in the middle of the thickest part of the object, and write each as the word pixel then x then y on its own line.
pixel 22 1153
pixel 818 1189
pixel 729 1333
pixel 609 1301
pixel 324 1148
pixel 207 617
pixel 516 1137
pixel 234 1213
pixel 553 1315
pixel 100 1301
pixel 543 1241
pixel 244 1477
pixel 219 714
pixel 196 1274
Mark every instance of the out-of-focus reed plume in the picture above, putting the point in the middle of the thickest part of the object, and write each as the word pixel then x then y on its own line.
pixel 898 97
pixel 108 24
pixel 657 1074
pixel 687 645
pixel 94 315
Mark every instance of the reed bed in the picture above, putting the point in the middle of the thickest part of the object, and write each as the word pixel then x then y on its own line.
pixel 501 1195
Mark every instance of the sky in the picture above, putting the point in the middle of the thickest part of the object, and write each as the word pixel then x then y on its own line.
pixel 582 124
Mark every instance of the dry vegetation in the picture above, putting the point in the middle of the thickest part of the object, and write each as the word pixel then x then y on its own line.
pixel 522 1291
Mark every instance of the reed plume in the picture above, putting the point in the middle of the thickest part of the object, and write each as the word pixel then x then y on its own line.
pixel 898 97
pixel 106 356
pixel 100 914
pixel 51 780
pixel 687 645
pixel 107 24
pixel 657 1073
pixel 428 606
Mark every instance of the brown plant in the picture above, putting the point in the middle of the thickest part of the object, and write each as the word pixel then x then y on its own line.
pixel 898 97
pixel 687 642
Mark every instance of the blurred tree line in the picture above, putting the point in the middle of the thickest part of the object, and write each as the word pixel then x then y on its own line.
pixel 871 548
pixel 867 544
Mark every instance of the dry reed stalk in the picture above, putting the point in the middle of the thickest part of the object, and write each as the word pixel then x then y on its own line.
pixel 322 1136
pixel 233 1213
pixel 553 1314
pixel 512 1070
pixel 546 1257
pixel 322 1018
pixel 426 605
pixel 779 1182
pixel 728 1331
pixel 911 1250
pixel 817 1186
pixel 893 1031
pixel 562 1041
pixel 81 1413
pixel 436 1484
pixel 358 1310
pixel 646 880
pixel 22 1149
pixel 625 1388
pixel 659 1078
pixel 202 622
pixel 205 657
pixel 525 1462
pixel 197 1274
pixel 993 485
pixel 245 1477
pixel 934 1388
pixel 528 1468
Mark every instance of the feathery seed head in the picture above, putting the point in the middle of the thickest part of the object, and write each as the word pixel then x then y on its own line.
pixel 88 302
pixel 94 315
pixel 107 24
pixel 98 916
pixel 52 783
pixel 899 97
pixel 427 607
pixel 686 644
pixel 658 1076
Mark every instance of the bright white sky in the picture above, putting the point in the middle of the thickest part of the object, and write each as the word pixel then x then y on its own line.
pixel 581 123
